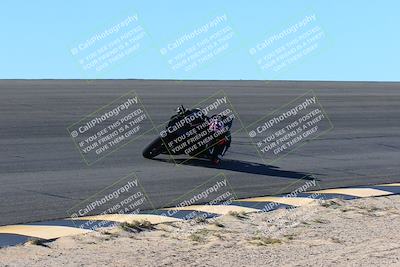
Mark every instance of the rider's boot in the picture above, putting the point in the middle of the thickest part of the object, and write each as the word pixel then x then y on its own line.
pixel 218 151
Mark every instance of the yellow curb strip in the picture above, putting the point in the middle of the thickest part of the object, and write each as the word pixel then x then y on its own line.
pixel 388 185
pixel 42 231
pixel 356 192
pixel 154 219
pixel 217 209
pixel 53 231
pixel 293 201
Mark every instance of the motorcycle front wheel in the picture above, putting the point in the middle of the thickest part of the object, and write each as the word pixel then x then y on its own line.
pixel 154 149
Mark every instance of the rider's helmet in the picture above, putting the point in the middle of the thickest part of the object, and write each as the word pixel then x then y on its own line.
pixel 181 110
pixel 216 124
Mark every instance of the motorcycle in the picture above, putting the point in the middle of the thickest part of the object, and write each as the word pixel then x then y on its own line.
pixel 197 136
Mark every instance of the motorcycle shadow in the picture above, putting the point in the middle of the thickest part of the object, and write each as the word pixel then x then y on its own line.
pixel 244 167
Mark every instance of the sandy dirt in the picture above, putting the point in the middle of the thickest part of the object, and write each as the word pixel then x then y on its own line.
pixel 363 232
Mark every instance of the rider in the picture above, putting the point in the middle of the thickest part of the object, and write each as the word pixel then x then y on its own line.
pixel 218 150
pixel 181 113
pixel 215 127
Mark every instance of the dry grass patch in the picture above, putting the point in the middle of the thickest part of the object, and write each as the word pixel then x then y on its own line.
pixel 238 215
pixel 264 241
pixel 38 242
pixel 136 226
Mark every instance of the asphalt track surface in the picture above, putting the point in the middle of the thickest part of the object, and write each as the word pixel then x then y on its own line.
pixel 42 174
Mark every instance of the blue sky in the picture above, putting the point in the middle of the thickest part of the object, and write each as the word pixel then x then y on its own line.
pixel 360 39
